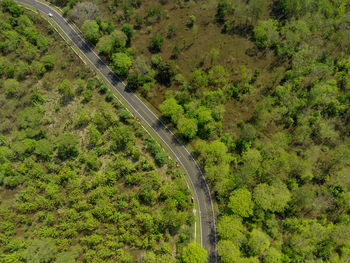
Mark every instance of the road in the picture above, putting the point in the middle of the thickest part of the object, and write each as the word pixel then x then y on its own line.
pixel 201 189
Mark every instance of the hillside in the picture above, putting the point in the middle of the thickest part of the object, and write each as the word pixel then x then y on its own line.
pixel 80 179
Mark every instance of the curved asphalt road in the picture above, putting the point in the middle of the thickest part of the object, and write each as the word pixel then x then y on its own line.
pixel 205 204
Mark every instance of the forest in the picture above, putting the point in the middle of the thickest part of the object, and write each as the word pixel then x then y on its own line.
pixel 80 178
pixel 258 90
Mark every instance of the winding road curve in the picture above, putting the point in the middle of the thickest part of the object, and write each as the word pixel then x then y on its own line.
pixel 202 192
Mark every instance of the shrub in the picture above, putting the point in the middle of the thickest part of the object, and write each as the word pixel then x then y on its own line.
pixel 156 43
pixel 67 146
pixel 91 30
pixel 48 61
pixel 121 63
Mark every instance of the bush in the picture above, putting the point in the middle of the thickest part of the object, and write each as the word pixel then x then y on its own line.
pixel 121 63
pixel 40 251
pixel 11 88
pixel 156 43
pixel 128 31
pixel 91 30
pixel 43 148
pixel 48 62
pixel 66 90
pixel 67 146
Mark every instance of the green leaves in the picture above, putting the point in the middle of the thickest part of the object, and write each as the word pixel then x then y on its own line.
pixel 273 198
pixel 188 127
pixel 121 63
pixel 241 203
pixel 90 29
pixel 194 253
pixel 67 146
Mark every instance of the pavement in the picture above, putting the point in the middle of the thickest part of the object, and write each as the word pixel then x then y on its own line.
pixel 194 173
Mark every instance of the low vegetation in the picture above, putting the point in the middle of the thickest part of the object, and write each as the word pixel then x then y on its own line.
pixel 259 90
pixel 80 180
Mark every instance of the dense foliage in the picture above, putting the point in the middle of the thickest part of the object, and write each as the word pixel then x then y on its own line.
pixel 80 180
pixel 270 126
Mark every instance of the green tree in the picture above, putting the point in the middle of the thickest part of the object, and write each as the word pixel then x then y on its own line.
pixel 12 7
pixel 66 90
pixel 194 253
pixel 199 79
pixel 295 8
pixel 273 198
pixel 91 30
pixel 188 127
pixel 48 61
pixel 231 228
pixel 241 202
pixel 115 42
pixel 171 109
pixel 66 257
pixel 258 242
pixel 156 43
pixel 224 7
pixel 266 33
pixel 273 255
pixel 121 63
pixel 67 146
pixel 257 8
pixel 122 137
pixel 11 87
pixel 228 251
pixel 40 251
pixel 43 148
pixel 94 136
pixel 128 31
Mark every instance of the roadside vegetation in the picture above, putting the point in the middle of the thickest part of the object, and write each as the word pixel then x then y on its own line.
pixel 80 179
pixel 259 90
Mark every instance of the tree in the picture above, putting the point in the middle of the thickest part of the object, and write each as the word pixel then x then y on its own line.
pixel 266 33
pixel 83 11
pixel 121 63
pixel 12 7
pixel 258 242
pixel 128 30
pixel 156 43
pixel 194 253
pixel 40 251
pixel 231 228
pixel 91 30
pixel 66 90
pixel 273 255
pixel 241 202
pixel 273 198
pixel 295 8
pixel 257 8
pixel 218 76
pixel 199 79
pixel 11 87
pixel 48 61
pixel 188 127
pixel 171 109
pixel 67 146
pixel 114 42
pixel 166 73
pixel 228 251
pixel 94 136
pixel 224 7
pixel 122 137
pixel 66 257
pixel 43 148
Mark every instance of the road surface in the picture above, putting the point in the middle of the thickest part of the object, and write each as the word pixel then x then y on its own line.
pixel 204 200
